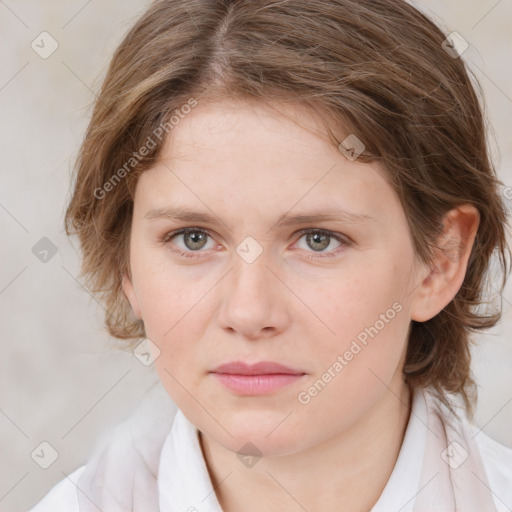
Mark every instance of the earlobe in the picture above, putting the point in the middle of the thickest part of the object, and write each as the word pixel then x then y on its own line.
pixel 421 306
pixel 129 291
pixel 449 266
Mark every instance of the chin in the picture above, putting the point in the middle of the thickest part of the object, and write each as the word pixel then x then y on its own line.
pixel 259 433
pixel 260 445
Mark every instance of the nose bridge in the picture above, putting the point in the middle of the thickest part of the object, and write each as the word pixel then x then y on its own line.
pixel 251 300
pixel 251 277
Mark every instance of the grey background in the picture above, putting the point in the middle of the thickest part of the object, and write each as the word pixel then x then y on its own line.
pixel 62 380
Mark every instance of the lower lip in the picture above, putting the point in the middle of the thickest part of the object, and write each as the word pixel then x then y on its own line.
pixel 256 384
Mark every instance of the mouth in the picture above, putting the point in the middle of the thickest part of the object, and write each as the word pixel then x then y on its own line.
pixel 256 379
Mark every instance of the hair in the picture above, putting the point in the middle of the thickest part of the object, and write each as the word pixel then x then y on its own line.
pixel 376 68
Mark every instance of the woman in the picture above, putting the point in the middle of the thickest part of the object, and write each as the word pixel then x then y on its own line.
pixel 293 204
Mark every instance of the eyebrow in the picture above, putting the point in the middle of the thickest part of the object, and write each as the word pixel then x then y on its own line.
pixel 287 219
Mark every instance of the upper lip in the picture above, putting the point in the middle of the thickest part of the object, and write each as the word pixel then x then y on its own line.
pixel 260 368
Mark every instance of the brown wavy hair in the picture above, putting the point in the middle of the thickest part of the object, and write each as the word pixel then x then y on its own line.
pixel 377 68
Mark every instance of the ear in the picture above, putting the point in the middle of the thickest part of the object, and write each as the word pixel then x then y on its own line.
pixel 129 291
pixel 450 263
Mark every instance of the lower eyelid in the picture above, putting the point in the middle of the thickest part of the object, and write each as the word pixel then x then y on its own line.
pixel 168 238
pixel 333 252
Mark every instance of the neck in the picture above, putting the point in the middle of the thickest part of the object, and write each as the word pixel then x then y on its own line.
pixel 348 472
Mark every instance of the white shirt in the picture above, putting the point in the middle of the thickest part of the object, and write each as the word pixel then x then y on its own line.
pixel 184 483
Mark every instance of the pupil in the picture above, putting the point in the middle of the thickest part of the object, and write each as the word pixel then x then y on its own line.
pixel 315 237
pixel 196 237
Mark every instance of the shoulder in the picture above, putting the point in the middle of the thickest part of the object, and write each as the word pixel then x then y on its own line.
pixel 497 460
pixel 63 497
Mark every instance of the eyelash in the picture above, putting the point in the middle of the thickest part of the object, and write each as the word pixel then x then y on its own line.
pixel 190 254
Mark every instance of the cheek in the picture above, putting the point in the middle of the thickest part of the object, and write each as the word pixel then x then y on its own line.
pixel 358 304
pixel 357 298
pixel 356 364
pixel 367 319
pixel 166 291
pixel 171 300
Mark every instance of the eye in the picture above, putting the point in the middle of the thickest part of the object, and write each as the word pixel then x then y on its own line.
pixel 319 240
pixel 193 240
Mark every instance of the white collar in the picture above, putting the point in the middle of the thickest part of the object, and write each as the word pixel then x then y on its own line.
pixel 185 485
pixel 400 491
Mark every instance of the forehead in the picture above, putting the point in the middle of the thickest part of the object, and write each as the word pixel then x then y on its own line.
pixel 255 158
pixel 227 130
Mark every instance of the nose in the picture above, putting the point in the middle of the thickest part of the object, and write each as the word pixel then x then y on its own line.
pixel 255 302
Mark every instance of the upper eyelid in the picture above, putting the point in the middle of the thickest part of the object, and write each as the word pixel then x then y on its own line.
pixel 338 236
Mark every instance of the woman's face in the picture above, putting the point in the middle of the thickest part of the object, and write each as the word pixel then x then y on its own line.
pixel 257 280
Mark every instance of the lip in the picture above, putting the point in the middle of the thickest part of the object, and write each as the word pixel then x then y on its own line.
pixel 256 379
pixel 260 368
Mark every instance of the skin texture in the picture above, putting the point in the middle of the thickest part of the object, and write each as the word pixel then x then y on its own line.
pixel 302 302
